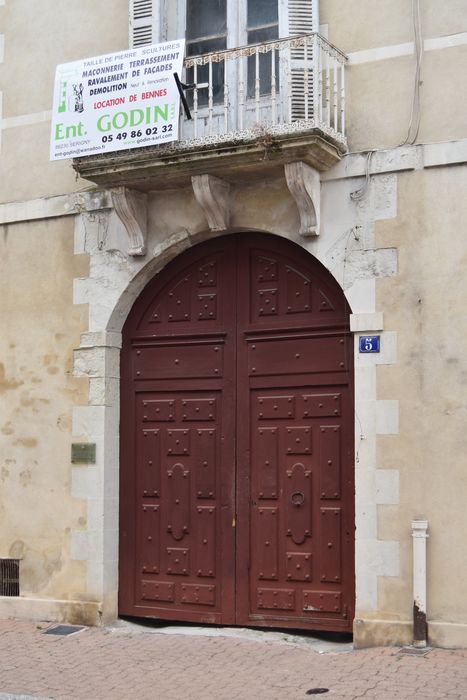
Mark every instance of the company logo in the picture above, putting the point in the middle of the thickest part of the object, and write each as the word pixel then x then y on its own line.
pixel 78 97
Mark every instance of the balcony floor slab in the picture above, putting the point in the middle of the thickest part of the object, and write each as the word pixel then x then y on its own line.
pixel 234 158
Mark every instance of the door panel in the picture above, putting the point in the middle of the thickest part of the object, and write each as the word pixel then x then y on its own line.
pixel 295 565
pixel 177 553
pixel 295 496
pixel 237 441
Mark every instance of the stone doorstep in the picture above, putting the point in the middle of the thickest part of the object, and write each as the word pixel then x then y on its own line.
pixel 321 646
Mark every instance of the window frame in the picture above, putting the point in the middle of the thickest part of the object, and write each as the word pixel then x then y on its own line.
pixel 171 13
pixel 237 33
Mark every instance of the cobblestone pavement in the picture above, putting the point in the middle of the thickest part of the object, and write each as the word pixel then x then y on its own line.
pixel 138 662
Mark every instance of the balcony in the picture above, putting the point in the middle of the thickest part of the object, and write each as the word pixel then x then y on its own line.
pixel 253 109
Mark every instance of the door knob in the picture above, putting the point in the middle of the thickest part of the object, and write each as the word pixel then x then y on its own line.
pixel 297 498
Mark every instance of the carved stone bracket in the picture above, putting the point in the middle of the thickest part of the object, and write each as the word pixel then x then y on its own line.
pixel 131 208
pixel 305 187
pixel 212 194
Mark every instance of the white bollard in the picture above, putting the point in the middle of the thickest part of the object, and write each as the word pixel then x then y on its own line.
pixel 419 535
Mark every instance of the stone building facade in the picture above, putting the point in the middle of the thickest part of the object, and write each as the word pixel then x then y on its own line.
pixel 378 202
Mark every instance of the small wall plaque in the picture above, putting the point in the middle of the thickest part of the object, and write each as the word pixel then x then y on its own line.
pixel 83 453
pixel 369 343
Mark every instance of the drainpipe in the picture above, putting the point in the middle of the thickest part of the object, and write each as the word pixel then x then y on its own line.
pixel 419 535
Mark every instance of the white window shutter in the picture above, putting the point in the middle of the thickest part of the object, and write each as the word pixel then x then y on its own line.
pixel 143 25
pixel 303 18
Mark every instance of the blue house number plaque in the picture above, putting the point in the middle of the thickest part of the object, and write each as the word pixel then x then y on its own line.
pixel 369 343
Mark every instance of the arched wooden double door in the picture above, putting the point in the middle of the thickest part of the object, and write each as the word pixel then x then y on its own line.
pixel 237 441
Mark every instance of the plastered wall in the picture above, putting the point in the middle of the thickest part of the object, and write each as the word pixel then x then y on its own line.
pixel 426 303
pixel 37 36
pixel 40 326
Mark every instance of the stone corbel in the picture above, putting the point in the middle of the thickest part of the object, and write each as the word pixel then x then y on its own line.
pixel 212 194
pixel 131 209
pixel 305 187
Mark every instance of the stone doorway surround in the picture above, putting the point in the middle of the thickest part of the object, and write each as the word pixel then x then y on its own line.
pixel 346 246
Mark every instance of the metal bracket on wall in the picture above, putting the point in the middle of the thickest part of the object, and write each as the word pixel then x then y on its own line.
pixel 131 208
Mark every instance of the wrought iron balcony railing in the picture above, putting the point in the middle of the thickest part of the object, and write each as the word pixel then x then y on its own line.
pixel 278 87
pixel 285 98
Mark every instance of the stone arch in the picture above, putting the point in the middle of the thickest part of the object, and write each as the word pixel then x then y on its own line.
pixel 98 359
pixel 174 245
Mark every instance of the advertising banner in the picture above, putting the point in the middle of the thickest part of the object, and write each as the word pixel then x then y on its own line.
pixel 117 101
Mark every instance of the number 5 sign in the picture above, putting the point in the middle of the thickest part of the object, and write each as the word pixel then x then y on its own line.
pixel 369 343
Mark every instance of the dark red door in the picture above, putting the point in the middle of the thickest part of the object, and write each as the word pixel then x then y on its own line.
pixel 237 441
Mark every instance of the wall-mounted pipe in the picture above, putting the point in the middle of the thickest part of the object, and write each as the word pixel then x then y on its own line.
pixel 419 535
